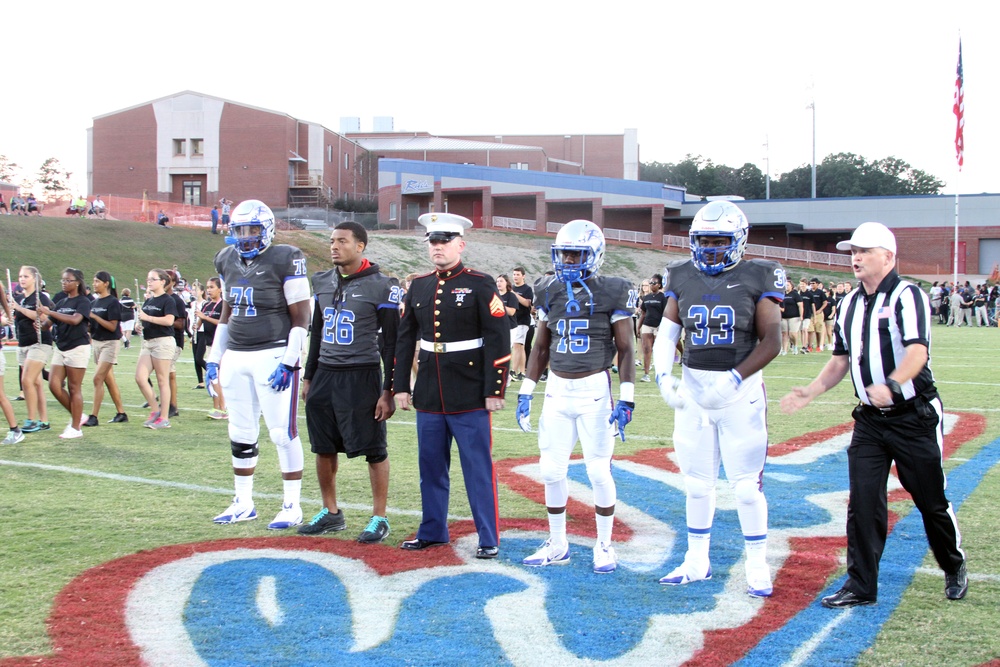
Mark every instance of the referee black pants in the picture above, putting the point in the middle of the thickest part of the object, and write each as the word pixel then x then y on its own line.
pixel 913 437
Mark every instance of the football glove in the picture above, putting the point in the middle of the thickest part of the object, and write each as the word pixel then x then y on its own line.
pixel 211 378
pixel 281 378
pixel 721 391
pixel 622 415
pixel 524 412
pixel 671 390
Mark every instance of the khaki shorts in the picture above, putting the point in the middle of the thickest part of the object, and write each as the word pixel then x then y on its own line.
pixel 177 355
pixel 518 334
pixel 818 325
pixel 791 325
pixel 159 348
pixel 648 330
pixel 78 357
pixel 36 352
pixel 806 325
pixel 106 351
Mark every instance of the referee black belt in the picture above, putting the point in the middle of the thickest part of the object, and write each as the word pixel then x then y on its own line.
pixel 453 346
pixel 903 408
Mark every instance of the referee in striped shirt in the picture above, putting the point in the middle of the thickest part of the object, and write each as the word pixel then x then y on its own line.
pixel 882 338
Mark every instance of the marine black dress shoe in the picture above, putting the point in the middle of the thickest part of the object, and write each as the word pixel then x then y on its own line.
pixel 417 544
pixel 956 585
pixel 844 598
pixel 487 552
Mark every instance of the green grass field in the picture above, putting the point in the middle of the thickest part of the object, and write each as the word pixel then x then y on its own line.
pixel 122 489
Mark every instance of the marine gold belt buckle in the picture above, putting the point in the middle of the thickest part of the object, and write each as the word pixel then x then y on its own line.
pixel 439 348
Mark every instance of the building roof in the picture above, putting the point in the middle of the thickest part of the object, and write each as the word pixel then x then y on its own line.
pixel 425 143
pixel 197 94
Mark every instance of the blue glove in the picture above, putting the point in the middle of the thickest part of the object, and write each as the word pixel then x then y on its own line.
pixel 211 378
pixel 622 414
pixel 524 412
pixel 281 378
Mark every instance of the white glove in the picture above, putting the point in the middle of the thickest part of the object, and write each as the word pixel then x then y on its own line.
pixel 672 390
pixel 721 391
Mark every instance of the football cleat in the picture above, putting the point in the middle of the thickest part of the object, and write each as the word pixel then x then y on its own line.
pixel 238 511
pixel 687 572
pixel 605 561
pixel 548 554
pixel 290 515
pixel 758 581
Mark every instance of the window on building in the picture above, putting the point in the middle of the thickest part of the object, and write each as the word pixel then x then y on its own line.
pixel 180 146
pixel 329 153
pixel 347 164
pixel 198 147
pixel 392 210
pixel 519 165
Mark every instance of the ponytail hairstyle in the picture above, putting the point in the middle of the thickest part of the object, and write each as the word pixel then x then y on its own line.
pixel 106 277
pixel 36 275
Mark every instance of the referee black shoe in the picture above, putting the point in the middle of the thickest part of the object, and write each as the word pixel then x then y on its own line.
pixel 324 522
pixel 844 598
pixel 956 585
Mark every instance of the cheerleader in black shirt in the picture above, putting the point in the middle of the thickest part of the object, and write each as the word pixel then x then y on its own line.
pixel 156 323
pixel 70 319
pixel 106 337
pixel 32 353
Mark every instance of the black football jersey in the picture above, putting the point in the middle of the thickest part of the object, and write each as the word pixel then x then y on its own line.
pixel 255 293
pixel 717 312
pixel 349 312
pixel 582 340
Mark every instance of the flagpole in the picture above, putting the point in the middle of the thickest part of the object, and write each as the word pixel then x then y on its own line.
pixel 955 276
pixel 958 109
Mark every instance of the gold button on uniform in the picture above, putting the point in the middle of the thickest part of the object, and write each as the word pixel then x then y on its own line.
pixel 437 334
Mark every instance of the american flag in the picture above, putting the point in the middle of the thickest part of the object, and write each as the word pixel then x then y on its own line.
pixel 959 110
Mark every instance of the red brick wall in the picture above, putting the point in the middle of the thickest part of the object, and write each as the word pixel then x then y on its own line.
pixel 259 141
pixel 124 151
pixel 929 250
pixel 601 154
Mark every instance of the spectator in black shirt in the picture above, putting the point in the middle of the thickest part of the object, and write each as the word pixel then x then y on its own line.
pixel 791 319
pixel 651 313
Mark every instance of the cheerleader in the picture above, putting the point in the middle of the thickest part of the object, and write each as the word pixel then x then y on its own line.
pixel 106 337
pixel 208 319
pixel 32 353
pixel 156 323
pixel 71 319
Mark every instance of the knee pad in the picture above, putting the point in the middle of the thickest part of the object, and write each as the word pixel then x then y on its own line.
pixel 747 491
pixel 599 472
pixel 373 459
pixel 552 471
pixel 698 488
pixel 244 455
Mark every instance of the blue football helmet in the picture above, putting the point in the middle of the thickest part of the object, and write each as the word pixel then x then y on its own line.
pixel 718 219
pixel 251 226
pixel 585 238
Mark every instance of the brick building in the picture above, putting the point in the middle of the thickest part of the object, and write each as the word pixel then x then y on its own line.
pixel 194 148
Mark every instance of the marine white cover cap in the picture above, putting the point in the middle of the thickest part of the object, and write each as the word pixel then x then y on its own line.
pixel 870 235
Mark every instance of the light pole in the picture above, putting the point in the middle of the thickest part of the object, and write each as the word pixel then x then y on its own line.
pixel 767 168
pixel 812 105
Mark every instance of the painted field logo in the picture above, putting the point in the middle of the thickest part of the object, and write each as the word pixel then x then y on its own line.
pixel 299 601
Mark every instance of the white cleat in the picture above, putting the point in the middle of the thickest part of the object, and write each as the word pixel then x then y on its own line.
pixel 290 515
pixel 687 572
pixel 548 554
pixel 237 512
pixel 605 561
pixel 758 582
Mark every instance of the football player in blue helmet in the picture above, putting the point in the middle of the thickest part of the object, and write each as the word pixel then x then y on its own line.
pixel 730 311
pixel 584 320
pixel 577 255
pixel 251 228
pixel 718 237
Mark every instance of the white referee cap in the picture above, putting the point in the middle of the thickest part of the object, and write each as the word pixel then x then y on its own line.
pixel 870 235
pixel 444 226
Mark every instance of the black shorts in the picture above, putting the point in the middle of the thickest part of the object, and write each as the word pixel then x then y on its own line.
pixel 340 412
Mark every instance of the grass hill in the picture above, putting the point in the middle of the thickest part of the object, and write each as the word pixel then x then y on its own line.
pixel 129 249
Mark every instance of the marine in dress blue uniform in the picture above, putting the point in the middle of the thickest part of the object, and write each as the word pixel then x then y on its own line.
pixel 461 325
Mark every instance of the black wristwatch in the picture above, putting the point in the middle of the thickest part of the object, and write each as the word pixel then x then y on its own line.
pixel 895 390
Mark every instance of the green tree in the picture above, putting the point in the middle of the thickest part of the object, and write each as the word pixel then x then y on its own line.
pixel 8 170
pixel 53 179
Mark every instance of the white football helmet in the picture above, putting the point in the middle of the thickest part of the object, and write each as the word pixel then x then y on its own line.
pixel 252 227
pixel 585 238
pixel 718 219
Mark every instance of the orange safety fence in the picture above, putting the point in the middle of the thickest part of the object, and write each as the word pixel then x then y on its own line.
pixel 147 210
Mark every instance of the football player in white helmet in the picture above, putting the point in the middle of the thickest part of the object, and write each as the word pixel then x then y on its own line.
pixel 584 319
pixel 259 341
pixel 730 311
